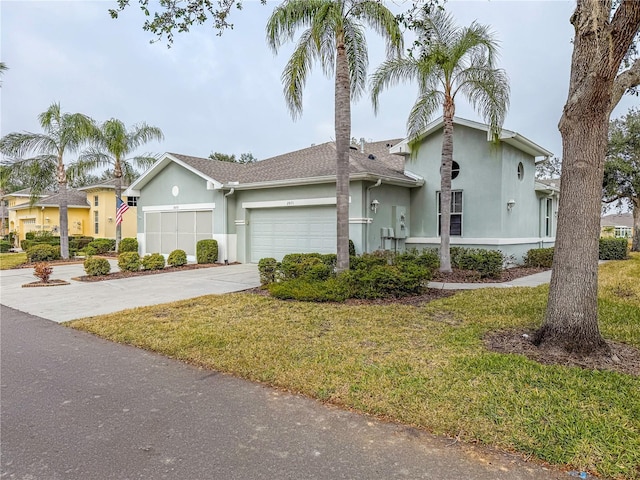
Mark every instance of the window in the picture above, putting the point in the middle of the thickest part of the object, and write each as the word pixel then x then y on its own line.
pixel 95 200
pixel 456 213
pixel 455 169
pixel 622 232
pixel 132 201
pixel 548 219
pixel 520 171
pixel 96 225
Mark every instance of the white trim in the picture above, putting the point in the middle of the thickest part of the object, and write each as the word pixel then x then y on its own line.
pixel 360 220
pixel 173 208
pixel 240 222
pixel 295 202
pixel 481 241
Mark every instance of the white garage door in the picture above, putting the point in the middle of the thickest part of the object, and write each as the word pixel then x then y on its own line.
pixel 168 231
pixel 275 232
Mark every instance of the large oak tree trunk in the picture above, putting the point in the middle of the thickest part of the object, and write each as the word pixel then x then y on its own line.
pixel 445 185
pixel 343 135
pixel 600 43
pixel 635 241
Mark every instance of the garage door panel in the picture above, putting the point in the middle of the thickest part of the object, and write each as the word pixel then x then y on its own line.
pixel 279 231
pixel 171 230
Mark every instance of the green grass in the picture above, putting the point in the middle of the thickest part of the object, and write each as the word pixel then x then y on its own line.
pixel 12 260
pixel 424 366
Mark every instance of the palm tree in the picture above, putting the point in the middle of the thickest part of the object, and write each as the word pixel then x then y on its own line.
pixel 111 146
pixel 3 68
pixel 64 133
pixel 334 36
pixel 448 61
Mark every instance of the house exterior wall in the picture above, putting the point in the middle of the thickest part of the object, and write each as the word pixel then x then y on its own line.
pixel 38 219
pixel 106 210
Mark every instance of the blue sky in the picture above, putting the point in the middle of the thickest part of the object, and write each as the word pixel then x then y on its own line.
pixel 210 93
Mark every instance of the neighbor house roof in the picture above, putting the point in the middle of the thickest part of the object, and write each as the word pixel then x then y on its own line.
pixel 105 184
pixel 617 220
pixel 547 185
pixel 26 192
pixel 75 199
pixel 507 136
pixel 315 164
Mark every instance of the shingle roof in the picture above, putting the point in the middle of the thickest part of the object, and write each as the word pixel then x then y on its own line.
pixel 74 199
pixel 617 220
pixel 312 162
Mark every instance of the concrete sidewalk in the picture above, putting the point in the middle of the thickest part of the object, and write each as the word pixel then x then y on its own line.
pixel 83 299
pixel 529 281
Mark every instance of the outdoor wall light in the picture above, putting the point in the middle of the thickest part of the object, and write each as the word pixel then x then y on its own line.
pixel 110 219
pixel 47 219
pixel 374 206
pixel 511 204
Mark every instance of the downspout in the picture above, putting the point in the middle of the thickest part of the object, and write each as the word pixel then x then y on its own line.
pixel 226 229
pixel 367 206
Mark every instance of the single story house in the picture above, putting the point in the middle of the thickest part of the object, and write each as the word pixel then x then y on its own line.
pixel 286 204
pixel 91 211
pixel 618 225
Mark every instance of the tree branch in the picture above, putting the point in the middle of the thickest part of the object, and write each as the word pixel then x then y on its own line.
pixel 624 81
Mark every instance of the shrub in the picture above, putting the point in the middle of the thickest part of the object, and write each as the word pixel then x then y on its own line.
pixel 153 261
pixel 100 245
pixel 43 253
pixel 79 242
pixel 4 246
pixel 129 261
pixel 489 263
pixel 352 248
pixel 45 236
pixel 367 261
pixel 43 271
pixel 539 257
pixel 94 266
pixel 207 251
pixel 26 244
pixel 330 290
pixel 386 281
pixel 177 258
pixel 613 248
pixel 30 235
pixel 267 267
pixel 128 245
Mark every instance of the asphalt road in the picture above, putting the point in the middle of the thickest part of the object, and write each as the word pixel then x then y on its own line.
pixel 74 406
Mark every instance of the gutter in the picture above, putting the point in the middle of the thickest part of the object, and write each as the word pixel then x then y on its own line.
pixel 226 232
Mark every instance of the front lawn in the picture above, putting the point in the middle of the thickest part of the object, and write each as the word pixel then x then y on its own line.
pixel 12 260
pixel 424 366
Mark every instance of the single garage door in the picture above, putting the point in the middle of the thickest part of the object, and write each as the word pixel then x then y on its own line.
pixel 168 231
pixel 275 232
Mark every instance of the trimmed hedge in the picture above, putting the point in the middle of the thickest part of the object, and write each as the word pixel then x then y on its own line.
pixel 352 248
pixel 43 253
pixel 539 257
pixel 79 242
pixel 488 263
pixel 311 266
pixel 4 246
pixel 177 258
pixel 94 266
pixel 613 248
pixel 153 261
pixel 100 245
pixel 267 267
pixel 129 261
pixel 128 244
pixel 207 251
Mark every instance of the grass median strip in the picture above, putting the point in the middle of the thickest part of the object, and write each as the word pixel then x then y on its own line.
pixel 424 366
pixel 11 260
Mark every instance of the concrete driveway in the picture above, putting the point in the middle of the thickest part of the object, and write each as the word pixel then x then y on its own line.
pixel 83 299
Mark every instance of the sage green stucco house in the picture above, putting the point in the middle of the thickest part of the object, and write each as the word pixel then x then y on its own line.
pixel 286 204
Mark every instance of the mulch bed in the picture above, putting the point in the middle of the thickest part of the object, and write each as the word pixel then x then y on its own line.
pixel 50 283
pixel 142 273
pixel 519 342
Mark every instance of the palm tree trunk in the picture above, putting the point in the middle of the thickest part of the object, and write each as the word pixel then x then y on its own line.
pixel 64 215
pixel 445 186
pixel 343 135
pixel 117 173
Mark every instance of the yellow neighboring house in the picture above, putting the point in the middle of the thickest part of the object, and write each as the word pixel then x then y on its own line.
pixel 91 212
pixel 617 225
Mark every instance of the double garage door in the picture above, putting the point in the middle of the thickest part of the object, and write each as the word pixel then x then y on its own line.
pixel 168 231
pixel 275 232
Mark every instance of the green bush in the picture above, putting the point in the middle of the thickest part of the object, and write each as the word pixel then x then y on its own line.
pixel 128 245
pixel 207 251
pixel 45 236
pixel 386 281
pixel 26 244
pixel 310 266
pixel 4 246
pixel 267 267
pixel 488 263
pixel 79 242
pixel 177 258
pixel 30 235
pixel 330 290
pixel 352 248
pixel 367 261
pixel 43 253
pixel 94 266
pixel 153 261
pixel 613 248
pixel 100 246
pixel 129 261
pixel 539 257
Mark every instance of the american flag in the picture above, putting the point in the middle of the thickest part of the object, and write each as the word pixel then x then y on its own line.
pixel 121 207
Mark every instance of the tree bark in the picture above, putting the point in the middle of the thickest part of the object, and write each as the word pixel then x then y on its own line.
pixel 445 185
pixel 635 241
pixel 571 319
pixel 64 214
pixel 117 173
pixel 343 136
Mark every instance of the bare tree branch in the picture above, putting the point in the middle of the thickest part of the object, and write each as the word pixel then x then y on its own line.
pixel 625 80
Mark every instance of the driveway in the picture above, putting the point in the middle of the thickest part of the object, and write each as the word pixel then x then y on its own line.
pixel 83 299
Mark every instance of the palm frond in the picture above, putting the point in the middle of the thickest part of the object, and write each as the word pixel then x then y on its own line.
pixel 382 21
pixel 288 17
pixel 390 73
pixel 296 71
pixel 19 145
pixel 357 56
pixel 422 112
